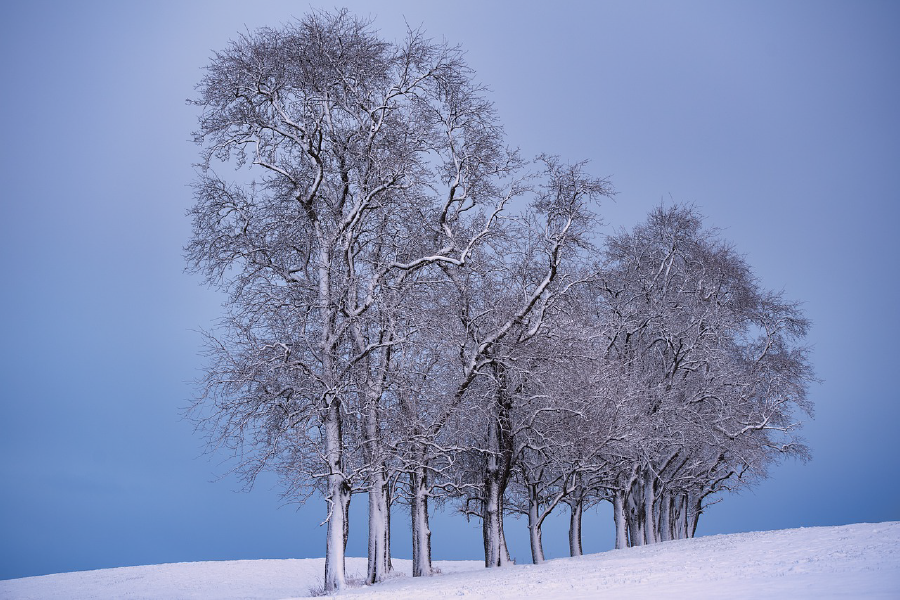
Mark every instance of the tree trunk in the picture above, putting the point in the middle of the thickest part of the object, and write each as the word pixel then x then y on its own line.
pixel 696 507
pixel 537 548
pixel 504 551
pixel 379 552
pixel 347 517
pixel 495 552
pixel 680 526
pixel 421 534
pixel 387 531
pixel 635 516
pixel 577 510
pixel 534 525
pixel 665 517
pixel 337 492
pixel 496 476
pixel 338 499
pixel 379 521
pixel 620 520
pixel 650 536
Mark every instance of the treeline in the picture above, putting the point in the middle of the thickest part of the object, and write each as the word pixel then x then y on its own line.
pixel 416 313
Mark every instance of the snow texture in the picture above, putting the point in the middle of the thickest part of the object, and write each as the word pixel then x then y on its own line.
pixel 852 561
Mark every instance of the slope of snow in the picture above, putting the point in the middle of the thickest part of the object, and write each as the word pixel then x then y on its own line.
pixel 852 561
pixel 214 580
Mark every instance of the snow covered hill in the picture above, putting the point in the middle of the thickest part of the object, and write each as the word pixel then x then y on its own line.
pixel 853 561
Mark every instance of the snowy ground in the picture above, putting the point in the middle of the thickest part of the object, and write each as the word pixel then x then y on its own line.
pixel 853 561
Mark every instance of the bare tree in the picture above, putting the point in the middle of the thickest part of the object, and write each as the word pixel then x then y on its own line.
pixel 366 161
pixel 562 421
pixel 505 303
pixel 692 331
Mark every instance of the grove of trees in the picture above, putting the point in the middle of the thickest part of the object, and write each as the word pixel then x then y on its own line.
pixel 417 313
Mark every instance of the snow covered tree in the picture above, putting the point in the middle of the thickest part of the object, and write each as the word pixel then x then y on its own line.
pixel 692 332
pixel 366 161
pixel 506 300
pixel 562 421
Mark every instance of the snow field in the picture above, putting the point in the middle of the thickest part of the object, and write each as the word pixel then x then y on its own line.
pixel 851 561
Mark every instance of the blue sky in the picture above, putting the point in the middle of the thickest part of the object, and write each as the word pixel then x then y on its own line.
pixel 778 120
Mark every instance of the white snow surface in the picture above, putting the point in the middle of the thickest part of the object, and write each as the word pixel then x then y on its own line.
pixel 851 561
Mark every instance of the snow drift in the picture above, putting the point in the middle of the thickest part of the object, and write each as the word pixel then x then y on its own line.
pixel 852 561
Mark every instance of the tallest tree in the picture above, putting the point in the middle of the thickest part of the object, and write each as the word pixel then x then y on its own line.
pixel 353 163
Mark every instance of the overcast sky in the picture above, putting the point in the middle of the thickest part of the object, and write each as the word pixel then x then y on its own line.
pixel 778 120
